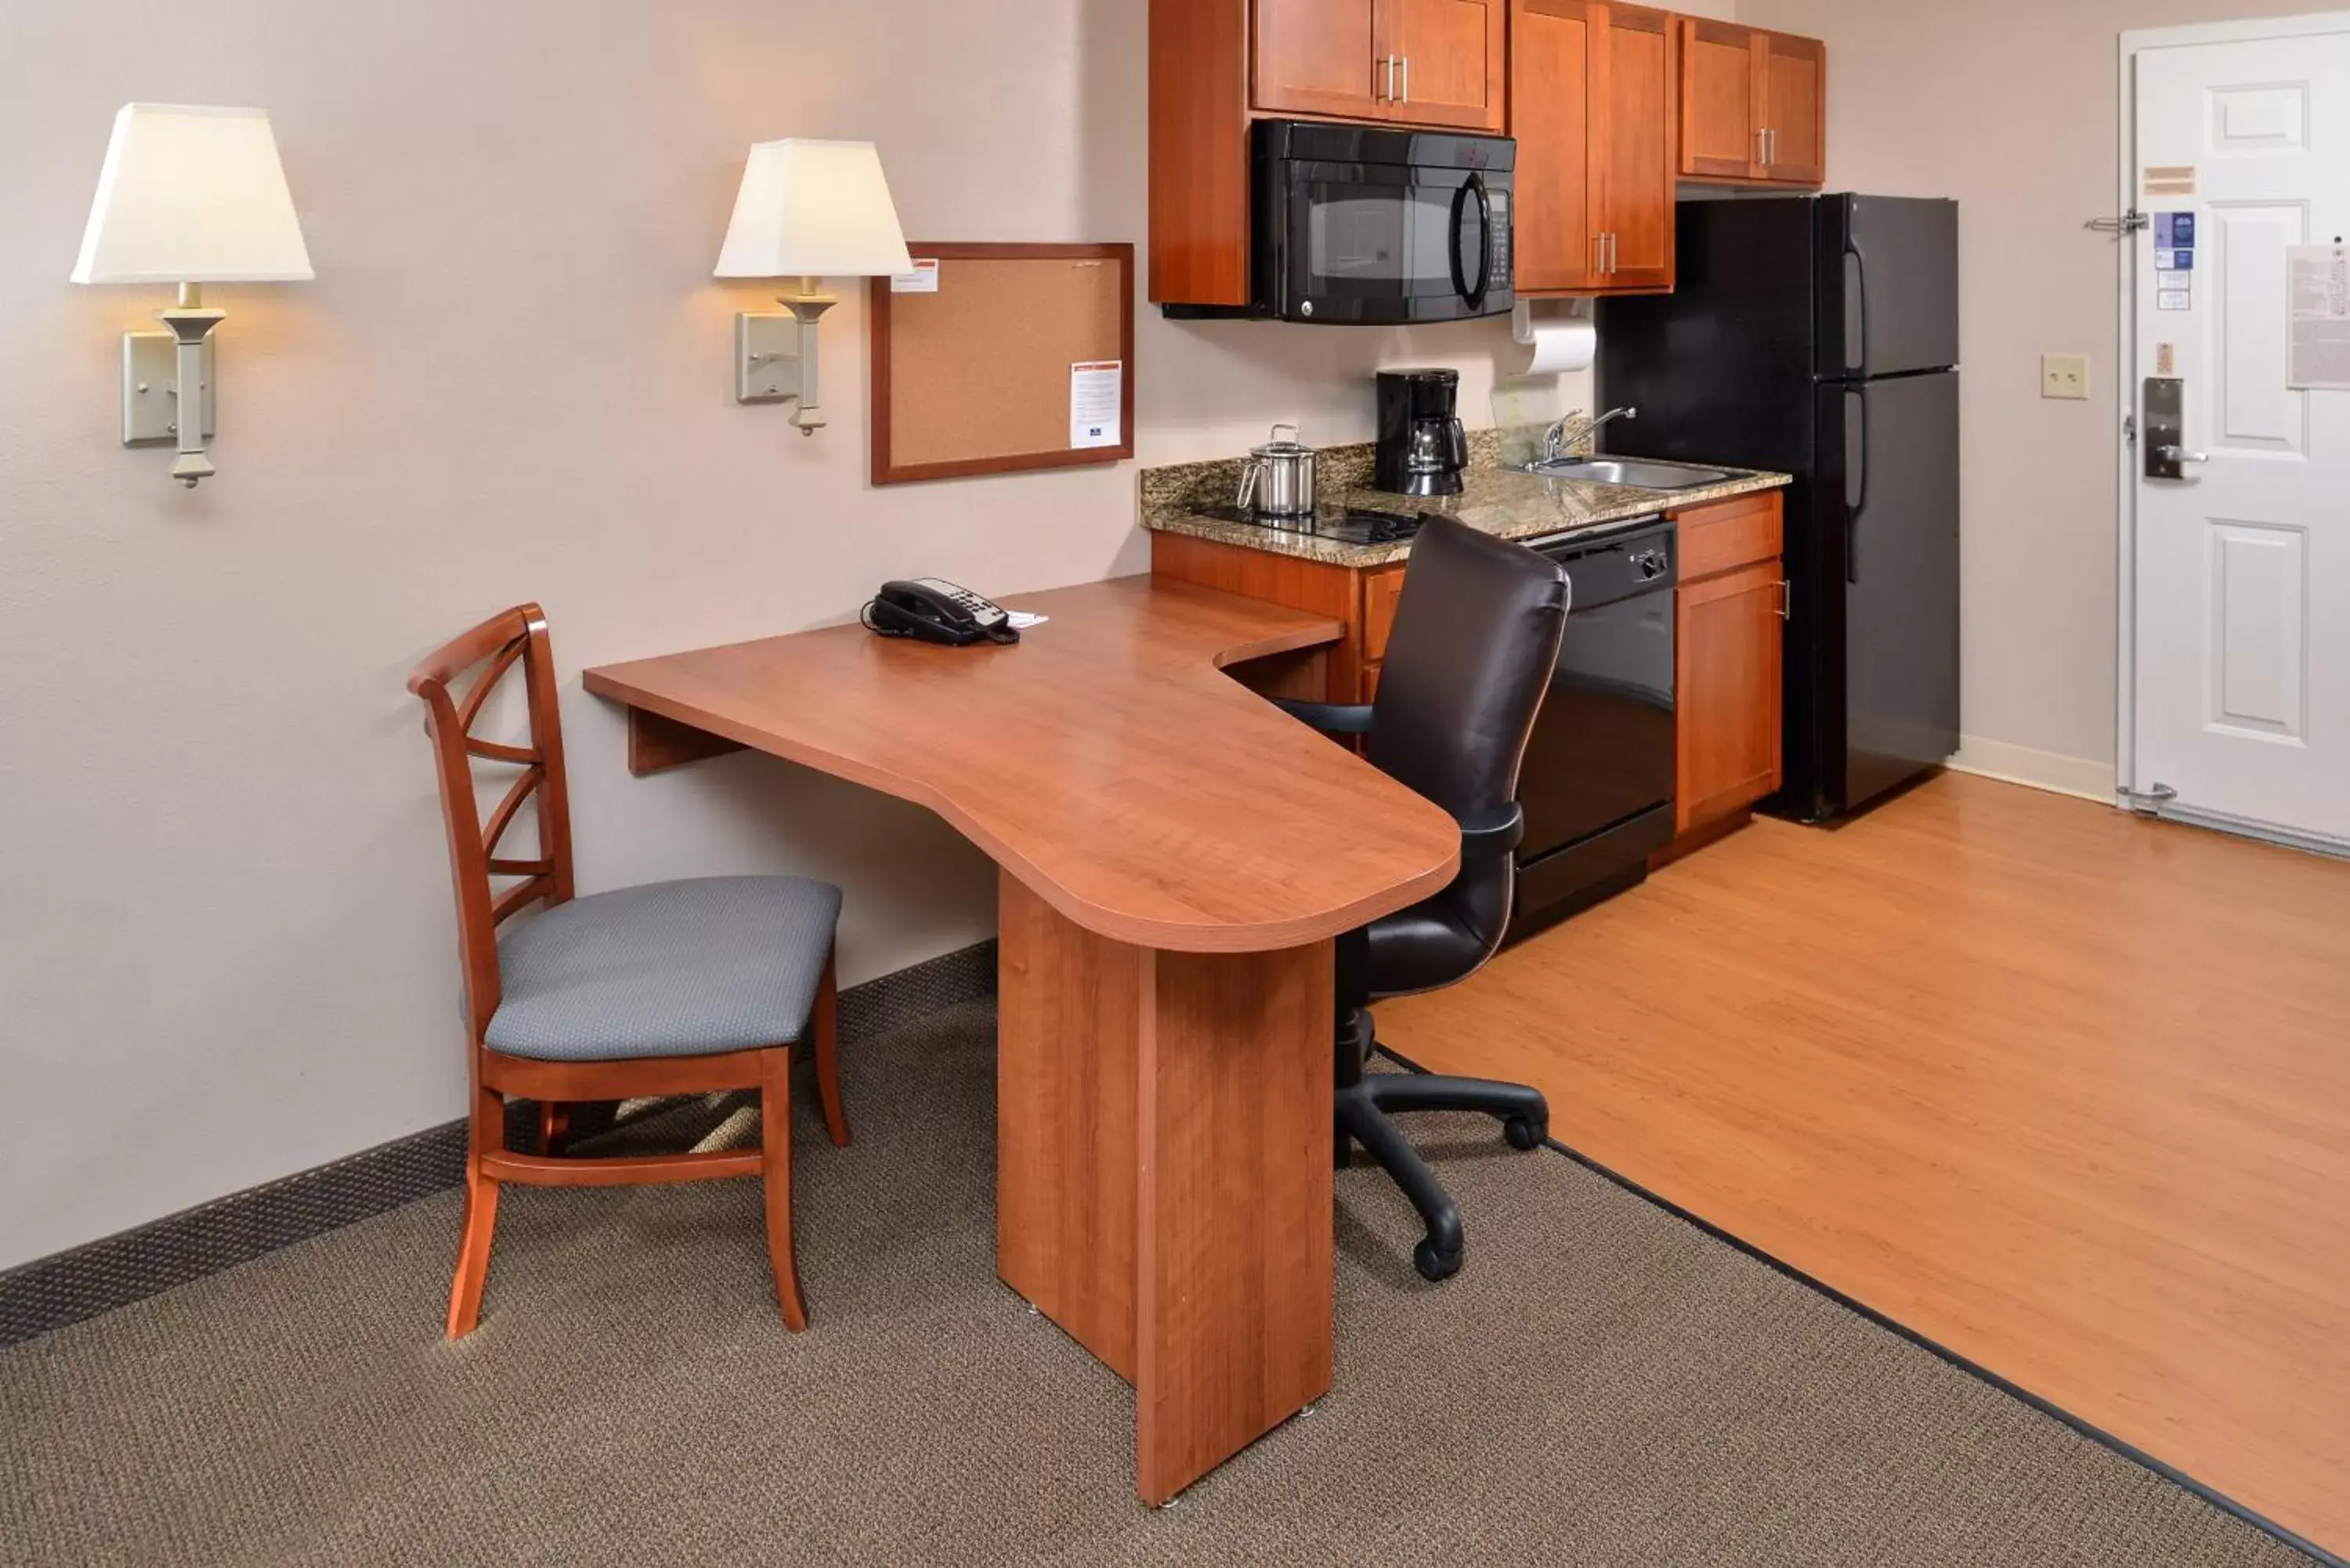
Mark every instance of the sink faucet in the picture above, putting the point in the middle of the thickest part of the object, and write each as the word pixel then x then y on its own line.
pixel 1555 440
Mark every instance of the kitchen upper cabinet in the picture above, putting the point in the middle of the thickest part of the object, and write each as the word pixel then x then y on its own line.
pixel 1794 105
pixel 1753 107
pixel 1452 57
pixel 1551 52
pixel 1320 57
pixel 1414 62
pixel 1591 98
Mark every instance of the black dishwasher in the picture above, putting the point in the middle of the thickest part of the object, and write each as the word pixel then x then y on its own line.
pixel 1597 781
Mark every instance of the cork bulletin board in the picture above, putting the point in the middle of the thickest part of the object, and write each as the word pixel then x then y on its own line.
pixel 997 359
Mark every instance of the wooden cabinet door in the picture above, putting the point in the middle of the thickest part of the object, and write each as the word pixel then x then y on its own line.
pixel 1552 47
pixel 1794 86
pixel 1721 122
pixel 1632 92
pixel 1319 57
pixel 1732 646
pixel 1453 61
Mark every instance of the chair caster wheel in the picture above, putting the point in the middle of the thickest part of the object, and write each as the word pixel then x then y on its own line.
pixel 1523 1134
pixel 1434 1265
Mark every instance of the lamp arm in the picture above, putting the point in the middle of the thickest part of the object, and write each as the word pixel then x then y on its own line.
pixel 808 307
pixel 191 324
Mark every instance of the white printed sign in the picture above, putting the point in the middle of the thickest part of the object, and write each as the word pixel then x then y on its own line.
pixel 923 279
pixel 1096 399
pixel 2317 283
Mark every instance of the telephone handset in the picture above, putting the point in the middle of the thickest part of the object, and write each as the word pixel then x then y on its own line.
pixel 935 610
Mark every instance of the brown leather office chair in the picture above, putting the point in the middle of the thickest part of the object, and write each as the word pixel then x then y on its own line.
pixel 672 988
pixel 1476 636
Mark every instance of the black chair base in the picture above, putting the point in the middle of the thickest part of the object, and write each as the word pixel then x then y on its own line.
pixel 1365 1103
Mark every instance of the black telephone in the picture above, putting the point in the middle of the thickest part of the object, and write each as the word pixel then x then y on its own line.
pixel 935 610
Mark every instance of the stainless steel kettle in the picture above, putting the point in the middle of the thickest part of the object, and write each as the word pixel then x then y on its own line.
pixel 1278 479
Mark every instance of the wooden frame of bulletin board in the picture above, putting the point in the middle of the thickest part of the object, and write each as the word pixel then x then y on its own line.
pixel 980 372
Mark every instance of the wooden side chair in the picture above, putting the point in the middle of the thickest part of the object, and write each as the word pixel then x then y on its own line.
pixel 672 988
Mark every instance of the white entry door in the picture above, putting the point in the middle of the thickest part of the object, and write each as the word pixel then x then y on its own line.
pixel 2242 592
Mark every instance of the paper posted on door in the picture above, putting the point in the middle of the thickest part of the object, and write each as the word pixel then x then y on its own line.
pixel 1096 396
pixel 2318 295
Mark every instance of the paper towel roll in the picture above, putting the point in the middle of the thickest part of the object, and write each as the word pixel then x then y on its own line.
pixel 1559 342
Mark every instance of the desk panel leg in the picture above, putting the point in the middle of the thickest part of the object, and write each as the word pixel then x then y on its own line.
pixel 1163 1176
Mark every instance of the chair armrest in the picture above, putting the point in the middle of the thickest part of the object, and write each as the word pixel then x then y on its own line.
pixel 1330 718
pixel 1490 835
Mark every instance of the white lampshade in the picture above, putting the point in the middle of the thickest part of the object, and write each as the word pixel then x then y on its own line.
pixel 191 195
pixel 814 209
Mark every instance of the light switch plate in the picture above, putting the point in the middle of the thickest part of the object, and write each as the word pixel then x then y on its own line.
pixel 151 414
pixel 766 356
pixel 2064 376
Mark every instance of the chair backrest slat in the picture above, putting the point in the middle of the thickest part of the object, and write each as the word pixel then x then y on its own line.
pixel 517 639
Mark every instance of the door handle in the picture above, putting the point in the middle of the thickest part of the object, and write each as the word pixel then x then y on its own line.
pixel 1786 600
pixel 1857 452
pixel 2180 455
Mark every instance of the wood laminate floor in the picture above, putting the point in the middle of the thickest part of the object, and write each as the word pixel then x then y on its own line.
pixel 2065 1092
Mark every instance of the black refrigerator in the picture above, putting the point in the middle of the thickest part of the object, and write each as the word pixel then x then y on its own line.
pixel 1819 335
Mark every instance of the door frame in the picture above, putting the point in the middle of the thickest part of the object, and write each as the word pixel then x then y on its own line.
pixel 2125 377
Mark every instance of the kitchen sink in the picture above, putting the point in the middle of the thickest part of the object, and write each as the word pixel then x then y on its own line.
pixel 1637 474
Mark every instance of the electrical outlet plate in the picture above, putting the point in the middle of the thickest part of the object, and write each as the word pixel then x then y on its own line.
pixel 766 356
pixel 151 413
pixel 2064 376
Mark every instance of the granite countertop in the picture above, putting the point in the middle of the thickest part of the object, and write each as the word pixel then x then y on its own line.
pixel 1500 501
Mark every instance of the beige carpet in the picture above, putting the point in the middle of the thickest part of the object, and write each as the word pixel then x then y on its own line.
pixel 1602 1385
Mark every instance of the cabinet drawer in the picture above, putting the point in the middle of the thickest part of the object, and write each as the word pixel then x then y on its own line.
pixel 1729 535
pixel 1381 589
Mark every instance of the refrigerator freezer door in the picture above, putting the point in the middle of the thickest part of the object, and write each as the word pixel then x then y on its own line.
pixel 1889 285
pixel 1889 497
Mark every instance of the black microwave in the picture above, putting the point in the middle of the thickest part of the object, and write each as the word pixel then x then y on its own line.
pixel 1367 226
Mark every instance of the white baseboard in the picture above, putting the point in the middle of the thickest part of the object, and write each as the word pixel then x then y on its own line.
pixel 2080 776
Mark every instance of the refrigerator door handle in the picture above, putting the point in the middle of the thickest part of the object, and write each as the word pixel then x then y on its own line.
pixel 1856 451
pixel 1860 278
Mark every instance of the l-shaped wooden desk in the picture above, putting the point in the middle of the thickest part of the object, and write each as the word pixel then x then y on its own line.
pixel 1177 856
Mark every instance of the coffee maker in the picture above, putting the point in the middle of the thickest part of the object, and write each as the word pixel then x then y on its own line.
pixel 1422 447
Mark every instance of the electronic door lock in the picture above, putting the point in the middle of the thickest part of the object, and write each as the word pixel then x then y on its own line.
pixel 2165 434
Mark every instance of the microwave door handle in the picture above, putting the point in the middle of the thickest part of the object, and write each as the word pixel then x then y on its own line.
pixel 1460 273
pixel 1473 296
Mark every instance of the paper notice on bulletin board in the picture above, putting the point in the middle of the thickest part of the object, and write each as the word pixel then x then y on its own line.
pixel 1096 396
pixel 2318 290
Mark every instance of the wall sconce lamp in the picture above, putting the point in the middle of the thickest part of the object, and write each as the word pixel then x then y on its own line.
pixel 809 210
pixel 188 196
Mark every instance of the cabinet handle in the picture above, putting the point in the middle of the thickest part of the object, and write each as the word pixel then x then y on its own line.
pixel 1786 600
pixel 1770 147
pixel 1615 249
pixel 1386 92
pixel 1762 145
pixel 1406 80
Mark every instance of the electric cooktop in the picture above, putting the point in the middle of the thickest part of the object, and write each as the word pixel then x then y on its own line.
pixel 1347 525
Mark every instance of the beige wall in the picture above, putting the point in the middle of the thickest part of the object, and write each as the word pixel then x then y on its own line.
pixel 225 949
pixel 2010 107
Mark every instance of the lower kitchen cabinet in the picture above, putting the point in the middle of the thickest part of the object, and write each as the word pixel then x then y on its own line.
pixel 1731 640
pixel 1728 644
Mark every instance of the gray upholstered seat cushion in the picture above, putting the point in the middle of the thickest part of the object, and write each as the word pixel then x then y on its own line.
pixel 669 969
